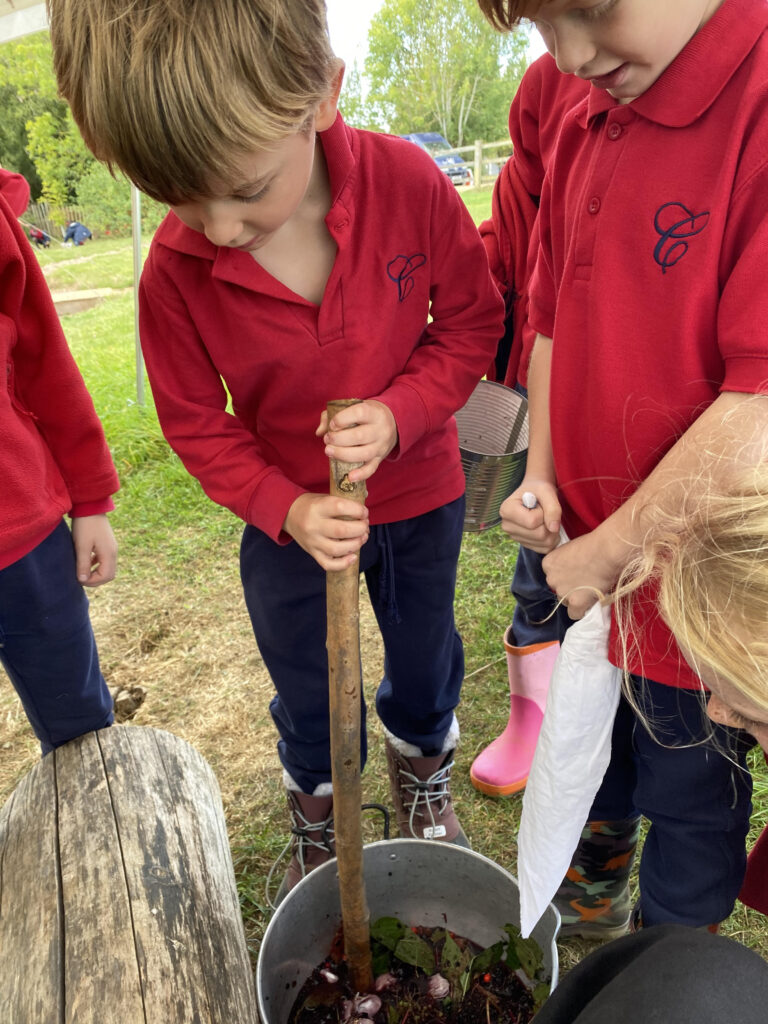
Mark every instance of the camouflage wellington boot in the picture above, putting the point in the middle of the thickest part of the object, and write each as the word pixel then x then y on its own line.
pixel 421 794
pixel 593 898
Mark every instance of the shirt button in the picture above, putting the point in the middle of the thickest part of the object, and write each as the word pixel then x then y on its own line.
pixel 593 205
pixel 614 131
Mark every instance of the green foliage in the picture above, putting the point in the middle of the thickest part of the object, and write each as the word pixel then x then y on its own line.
pixel 522 952
pixel 457 963
pixel 39 138
pixel 439 66
pixel 437 950
pixel 388 931
pixel 27 91
pixel 107 200
pixel 356 111
pixel 59 153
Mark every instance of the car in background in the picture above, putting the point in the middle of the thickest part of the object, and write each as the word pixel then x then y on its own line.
pixel 457 169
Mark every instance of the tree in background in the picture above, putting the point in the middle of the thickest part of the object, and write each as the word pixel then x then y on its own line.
pixel 353 104
pixel 108 202
pixel 37 135
pixel 59 154
pixel 437 65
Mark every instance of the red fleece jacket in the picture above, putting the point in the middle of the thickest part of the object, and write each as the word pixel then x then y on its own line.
pixel 541 101
pixel 53 456
pixel 215 324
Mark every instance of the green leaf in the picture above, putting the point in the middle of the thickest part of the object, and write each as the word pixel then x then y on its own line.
pixel 540 995
pixel 486 958
pixel 412 949
pixel 381 959
pixel 511 957
pixel 453 960
pixel 388 931
pixel 523 953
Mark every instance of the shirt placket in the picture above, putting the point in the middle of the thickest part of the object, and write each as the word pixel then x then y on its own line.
pixel 614 131
pixel 330 317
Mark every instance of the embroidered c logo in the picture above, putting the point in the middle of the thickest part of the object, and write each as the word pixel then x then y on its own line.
pixel 675 222
pixel 401 269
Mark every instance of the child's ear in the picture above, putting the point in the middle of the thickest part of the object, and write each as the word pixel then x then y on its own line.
pixel 325 114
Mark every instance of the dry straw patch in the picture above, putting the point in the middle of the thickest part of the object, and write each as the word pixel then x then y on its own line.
pixel 183 635
pixel 189 645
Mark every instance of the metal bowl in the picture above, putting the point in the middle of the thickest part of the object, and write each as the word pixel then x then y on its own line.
pixel 419 881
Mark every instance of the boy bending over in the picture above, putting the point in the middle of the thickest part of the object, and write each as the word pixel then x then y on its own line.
pixel 300 262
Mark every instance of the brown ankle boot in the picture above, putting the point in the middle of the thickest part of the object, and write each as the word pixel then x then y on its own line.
pixel 421 793
pixel 312 840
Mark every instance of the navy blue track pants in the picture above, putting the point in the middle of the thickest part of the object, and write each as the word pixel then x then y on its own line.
pixel 47 645
pixel 688 777
pixel 690 780
pixel 410 572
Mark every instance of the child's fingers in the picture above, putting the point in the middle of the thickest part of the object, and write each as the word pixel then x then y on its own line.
pixel 343 510
pixel 93 568
pixel 340 546
pixel 84 564
pixel 323 427
pixel 352 437
pixel 335 564
pixel 106 568
pixel 351 416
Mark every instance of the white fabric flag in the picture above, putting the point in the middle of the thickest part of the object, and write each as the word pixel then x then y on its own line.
pixel 571 757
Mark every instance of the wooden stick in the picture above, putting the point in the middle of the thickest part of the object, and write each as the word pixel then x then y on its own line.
pixel 343 641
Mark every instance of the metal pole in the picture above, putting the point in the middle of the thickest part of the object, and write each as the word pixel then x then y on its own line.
pixel 136 232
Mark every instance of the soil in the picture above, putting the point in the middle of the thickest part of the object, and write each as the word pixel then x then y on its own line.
pixel 402 994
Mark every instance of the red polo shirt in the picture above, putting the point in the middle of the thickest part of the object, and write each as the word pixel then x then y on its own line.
pixel 652 274
pixel 212 318
pixel 540 102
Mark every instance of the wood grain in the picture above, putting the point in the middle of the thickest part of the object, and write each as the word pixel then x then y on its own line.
pixel 118 902
pixel 345 699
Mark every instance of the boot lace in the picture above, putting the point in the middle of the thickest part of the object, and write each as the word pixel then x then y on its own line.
pixel 299 842
pixel 426 798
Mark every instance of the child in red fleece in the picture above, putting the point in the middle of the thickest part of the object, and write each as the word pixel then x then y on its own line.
pixel 53 461
pixel 303 261
pixel 14 189
pixel 532 639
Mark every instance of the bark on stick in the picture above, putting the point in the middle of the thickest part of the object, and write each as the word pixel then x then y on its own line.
pixel 343 641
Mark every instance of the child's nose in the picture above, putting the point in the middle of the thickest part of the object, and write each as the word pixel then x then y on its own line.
pixel 572 48
pixel 222 226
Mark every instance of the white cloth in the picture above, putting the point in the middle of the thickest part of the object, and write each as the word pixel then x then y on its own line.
pixel 571 757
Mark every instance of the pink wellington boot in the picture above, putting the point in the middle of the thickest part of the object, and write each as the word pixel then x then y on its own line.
pixel 502 768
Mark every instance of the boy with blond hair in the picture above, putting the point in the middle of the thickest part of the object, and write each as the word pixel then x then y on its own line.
pixel 302 261
pixel 648 293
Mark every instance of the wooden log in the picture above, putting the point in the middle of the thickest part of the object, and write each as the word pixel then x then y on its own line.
pixel 343 642
pixel 118 902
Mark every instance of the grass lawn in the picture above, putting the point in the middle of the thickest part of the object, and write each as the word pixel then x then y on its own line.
pixel 174 621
